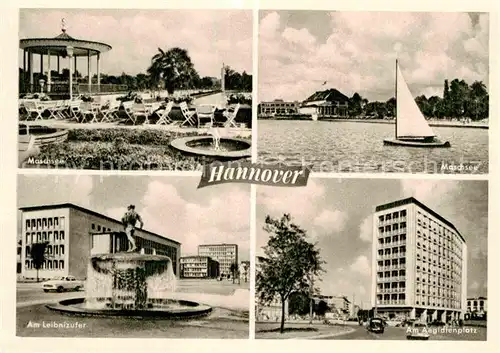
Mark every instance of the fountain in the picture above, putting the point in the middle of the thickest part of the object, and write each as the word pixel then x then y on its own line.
pixel 214 145
pixel 43 135
pixel 129 284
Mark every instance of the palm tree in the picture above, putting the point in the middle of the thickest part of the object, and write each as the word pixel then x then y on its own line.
pixel 174 68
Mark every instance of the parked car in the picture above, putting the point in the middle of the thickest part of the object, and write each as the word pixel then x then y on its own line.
pixel 418 331
pixel 376 325
pixel 60 284
pixel 437 323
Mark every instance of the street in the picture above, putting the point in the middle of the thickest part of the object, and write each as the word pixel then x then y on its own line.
pixel 399 333
pixel 225 321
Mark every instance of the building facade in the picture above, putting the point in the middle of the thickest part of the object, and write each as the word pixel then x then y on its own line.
pixel 198 267
pixel 419 262
pixel 270 312
pixel 478 306
pixel 74 233
pixel 278 107
pixel 224 254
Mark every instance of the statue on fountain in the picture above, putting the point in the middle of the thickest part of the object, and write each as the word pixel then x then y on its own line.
pixel 129 220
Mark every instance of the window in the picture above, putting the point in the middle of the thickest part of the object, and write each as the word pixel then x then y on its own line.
pixel 93 226
pixel 51 222
pixel 61 264
pixel 56 222
pixel 61 233
pixel 61 249
pixel 98 228
pixel 28 224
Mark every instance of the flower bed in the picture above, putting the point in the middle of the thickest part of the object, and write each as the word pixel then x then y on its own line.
pixel 121 149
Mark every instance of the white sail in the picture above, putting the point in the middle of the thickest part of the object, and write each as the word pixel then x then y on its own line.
pixel 410 120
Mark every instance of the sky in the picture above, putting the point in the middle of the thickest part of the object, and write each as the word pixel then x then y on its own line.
pixel 356 52
pixel 337 215
pixel 212 37
pixel 169 206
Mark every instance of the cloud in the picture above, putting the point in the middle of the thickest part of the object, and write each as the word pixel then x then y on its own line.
pixel 427 190
pixel 360 49
pixel 331 221
pixel 366 229
pixel 361 266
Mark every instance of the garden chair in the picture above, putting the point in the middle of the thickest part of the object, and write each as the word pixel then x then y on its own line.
pixel 205 112
pixel 33 107
pixel 140 109
pixel 164 114
pixel 74 109
pixel 187 114
pixel 93 110
pixel 128 108
pixel 110 112
pixel 230 116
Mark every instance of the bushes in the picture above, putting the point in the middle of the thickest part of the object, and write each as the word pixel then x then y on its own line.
pixel 239 98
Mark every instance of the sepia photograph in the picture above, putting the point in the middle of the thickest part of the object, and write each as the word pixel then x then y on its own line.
pixel 373 259
pixel 129 89
pixel 132 257
pixel 374 91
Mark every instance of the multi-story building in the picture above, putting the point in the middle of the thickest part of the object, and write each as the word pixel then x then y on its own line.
pixel 278 107
pixel 198 267
pixel 225 254
pixel 419 263
pixel 74 233
pixel 270 311
pixel 477 305
pixel 244 269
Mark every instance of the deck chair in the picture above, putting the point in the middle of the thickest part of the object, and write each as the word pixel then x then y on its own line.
pixel 205 112
pixel 33 107
pixel 110 112
pixel 187 114
pixel 230 116
pixel 163 114
pixel 140 109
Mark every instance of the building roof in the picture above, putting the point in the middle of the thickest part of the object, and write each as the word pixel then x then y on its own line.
pixel 86 210
pixel 413 200
pixel 328 95
pixel 221 244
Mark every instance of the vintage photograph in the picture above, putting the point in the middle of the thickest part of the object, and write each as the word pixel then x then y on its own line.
pixel 373 259
pixel 132 257
pixel 374 91
pixel 134 89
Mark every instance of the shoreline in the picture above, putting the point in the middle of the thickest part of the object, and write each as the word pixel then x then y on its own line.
pixel 432 123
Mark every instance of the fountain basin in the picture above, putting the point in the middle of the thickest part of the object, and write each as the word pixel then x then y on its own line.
pixel 165 309
pixel 230 148
pixel 44 135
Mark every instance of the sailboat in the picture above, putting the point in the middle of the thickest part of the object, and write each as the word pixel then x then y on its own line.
pixel 412 130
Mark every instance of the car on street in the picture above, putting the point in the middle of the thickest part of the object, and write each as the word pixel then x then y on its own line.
pixel 376 325
pixel 417 331
pixel 60 284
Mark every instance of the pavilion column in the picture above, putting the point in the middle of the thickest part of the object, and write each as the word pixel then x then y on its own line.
pixel 49 68
pixel 41 64
pixel 88 72
pixel 58 65
pixel 30 68
pixel 24 71
pixel 98 73
pixel 69 51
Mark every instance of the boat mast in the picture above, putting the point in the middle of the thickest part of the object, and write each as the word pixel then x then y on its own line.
pixel 396 100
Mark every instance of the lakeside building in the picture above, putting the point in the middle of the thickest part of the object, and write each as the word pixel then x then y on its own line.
pixel 198 267
pixel 420 264
pixel 74 233
pixel 478 305
pixel 224 254
pixel 278 107
pixel 244 269
pixel 329 103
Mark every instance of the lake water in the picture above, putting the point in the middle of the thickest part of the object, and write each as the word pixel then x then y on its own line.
pixel 333 147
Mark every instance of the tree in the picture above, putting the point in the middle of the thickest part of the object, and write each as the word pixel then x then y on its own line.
pixel 234 270
pixel 38 255
pixel 174 68
pixel 289 264
pixel 298 303
pixel 321 308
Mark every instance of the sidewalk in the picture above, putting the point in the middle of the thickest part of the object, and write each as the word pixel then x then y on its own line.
pixel 299 331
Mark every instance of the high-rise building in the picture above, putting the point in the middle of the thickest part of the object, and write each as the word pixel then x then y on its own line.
pixel 419 264
pixel 198 267
pixel 225 254
pixel 74 233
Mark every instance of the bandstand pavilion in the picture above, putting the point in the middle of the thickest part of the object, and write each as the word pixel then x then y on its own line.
pixel 68 48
